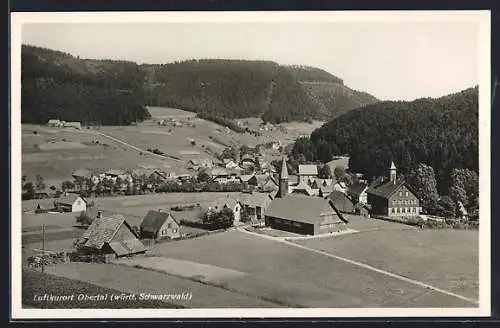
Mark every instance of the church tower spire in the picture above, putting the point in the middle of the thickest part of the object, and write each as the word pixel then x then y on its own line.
pixel 283 183
pixel 392 173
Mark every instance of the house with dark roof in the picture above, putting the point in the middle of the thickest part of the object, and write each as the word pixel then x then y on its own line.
pixel 357 191
pixel 304 215
pixel 301 213
pixel 160 225
pixel 70 203
pixel 110 235
pixel 392 197
pixel 255 204
pixel 308 172
pixel 341 201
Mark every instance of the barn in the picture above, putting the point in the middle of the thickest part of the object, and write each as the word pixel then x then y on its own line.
pixel 110 236
pixel 303 214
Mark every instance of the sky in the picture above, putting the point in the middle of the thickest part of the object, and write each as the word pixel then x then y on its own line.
pixel 390 60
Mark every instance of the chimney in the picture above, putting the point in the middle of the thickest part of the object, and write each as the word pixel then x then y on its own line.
pixel 160 210
pixel 99 214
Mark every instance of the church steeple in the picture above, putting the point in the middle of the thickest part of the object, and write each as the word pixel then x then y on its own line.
pixel 283 183
pixel 392 172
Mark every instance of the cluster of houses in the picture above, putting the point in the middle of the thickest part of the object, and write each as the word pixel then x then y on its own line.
pixel 302 204
pixel 55 123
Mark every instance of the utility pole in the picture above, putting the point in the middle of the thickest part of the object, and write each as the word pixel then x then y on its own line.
pixel 43 246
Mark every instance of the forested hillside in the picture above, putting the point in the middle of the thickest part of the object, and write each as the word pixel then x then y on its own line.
pixel 55 84
pixel 441 133
pixel 58 85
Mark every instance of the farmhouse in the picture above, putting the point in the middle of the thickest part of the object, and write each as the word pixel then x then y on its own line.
pixel 54 123
pixel 230 164
pixel 392 197
pixel 341 202
pixel 159 225
pixel 70 203
pixel 307 173
pixel 75 125
pixel 111 235
pixel 226 202
pixel 255 204
pixel 357 191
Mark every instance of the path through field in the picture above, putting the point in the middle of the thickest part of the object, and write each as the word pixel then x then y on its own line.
pixel 368 267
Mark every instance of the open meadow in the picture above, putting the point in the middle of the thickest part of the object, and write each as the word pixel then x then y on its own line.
pixel 55 153
pixel 276 266
pixel 446 258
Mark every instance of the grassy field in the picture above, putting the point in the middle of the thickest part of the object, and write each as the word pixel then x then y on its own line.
pixel 447 259
pixel 58 162
pixel 267 260
pixel 134 280
pixel 37 284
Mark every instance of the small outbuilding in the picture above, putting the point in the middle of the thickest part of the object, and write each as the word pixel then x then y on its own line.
pixel 70 203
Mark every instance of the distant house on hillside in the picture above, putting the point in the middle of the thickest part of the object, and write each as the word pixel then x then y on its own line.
pixel 226 202
pixel 219 175
pixel 308 173
pixel 54 123
pixel 392 197
pixel 110 236
pixel 75 125
pixel 230 164
pixel 118 173
pixel 70 203
pixel 159 225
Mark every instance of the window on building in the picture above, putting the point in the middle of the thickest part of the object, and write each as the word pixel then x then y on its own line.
pixel 169 225
pixel 406 193
pixel 397 210
pixel 414 210
pixel 400 194
pixel 394 201
pixel 174 230
pixel 393 210
pixel 403 210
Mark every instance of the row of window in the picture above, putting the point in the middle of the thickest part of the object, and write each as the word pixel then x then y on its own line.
pixel 395 210
pixel 405 201
pixel 401 194
pixel 164 232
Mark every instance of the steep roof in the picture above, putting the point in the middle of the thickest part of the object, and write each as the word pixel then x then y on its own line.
pixel 246 177
pixel 341 201
pixel 153 220
pixel 284 170
pixel 69 199
pixel 357 188
pixel 103 230
pixel 303 187
pixel 326 189
pixel 308 169
pixel 222 202
pixel 384 188
pixel 301 208
pixel 257 199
